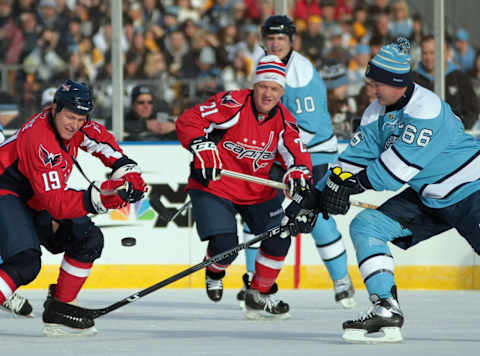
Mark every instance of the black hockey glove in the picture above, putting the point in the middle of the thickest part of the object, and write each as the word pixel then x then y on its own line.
pixel 336 195
pixel 301 213
pixel 206 165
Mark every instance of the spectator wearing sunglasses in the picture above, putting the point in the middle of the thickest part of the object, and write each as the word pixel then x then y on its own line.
pixel 143 122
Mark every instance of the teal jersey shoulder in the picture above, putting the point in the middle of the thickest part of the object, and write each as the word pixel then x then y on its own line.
pixel 423 145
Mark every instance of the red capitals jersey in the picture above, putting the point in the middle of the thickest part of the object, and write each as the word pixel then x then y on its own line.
pixel 35 167
pixel 245 144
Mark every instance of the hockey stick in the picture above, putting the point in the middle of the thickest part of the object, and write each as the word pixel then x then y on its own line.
pixel 166 215
pixel 95 313
pixel 279 185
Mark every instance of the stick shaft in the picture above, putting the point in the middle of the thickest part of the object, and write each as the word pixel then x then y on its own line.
pixel 95 313
pixel 275 184
pixel 250 178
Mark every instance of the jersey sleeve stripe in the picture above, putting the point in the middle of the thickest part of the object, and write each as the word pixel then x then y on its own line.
pixel 93 146
pixel 224 125
pixel 398 167
pixel 468 172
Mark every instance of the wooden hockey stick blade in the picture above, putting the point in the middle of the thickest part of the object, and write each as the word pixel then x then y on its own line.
pixel 95 313
pixel 361 204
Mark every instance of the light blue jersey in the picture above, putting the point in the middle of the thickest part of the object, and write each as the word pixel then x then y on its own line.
pixel 306 98
pixel 423 144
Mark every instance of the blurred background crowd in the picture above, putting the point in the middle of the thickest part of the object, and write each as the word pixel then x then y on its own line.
pixel 179 52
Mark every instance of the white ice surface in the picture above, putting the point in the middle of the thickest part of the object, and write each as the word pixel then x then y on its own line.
pixel 185 322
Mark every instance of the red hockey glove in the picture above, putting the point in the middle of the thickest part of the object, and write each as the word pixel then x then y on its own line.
pixel 206 165
pixel 296 178
pixel 113 194
pixel 132 174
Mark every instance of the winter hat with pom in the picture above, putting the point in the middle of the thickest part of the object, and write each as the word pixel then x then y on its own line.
pixel 391 65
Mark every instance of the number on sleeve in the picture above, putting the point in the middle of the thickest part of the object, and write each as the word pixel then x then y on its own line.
pixel 213 110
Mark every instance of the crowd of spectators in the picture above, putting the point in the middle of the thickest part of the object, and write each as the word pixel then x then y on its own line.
pixel 187 50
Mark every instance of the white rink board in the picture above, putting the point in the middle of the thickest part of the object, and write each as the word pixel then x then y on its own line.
pixel 168 164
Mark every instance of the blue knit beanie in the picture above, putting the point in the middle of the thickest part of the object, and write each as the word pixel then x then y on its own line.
pixel 391 65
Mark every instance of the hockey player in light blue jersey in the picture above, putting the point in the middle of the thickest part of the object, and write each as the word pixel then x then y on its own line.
pixel 407 136
pixel 306 98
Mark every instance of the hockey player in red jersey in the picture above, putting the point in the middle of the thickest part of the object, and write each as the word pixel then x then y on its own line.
pixel 245 131
pixel 37 208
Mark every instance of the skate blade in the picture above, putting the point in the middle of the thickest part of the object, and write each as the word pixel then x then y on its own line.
pixel 386 335
pixel 57 330
pixel 261 315
pixel 242 304
pixel 16 315
pixel 347 303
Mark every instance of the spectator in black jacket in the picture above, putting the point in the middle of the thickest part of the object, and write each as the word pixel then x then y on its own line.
pixel 458 86
pixel 143 123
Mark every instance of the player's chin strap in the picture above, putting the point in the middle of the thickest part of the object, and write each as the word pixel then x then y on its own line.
pixel 95 313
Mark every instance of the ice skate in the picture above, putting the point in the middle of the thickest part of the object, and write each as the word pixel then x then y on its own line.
pixel 63 319
pixel 214 285
pixel 247 278
pixel 381 323
pixel 260 306
pixel 18 305
pixel 344 292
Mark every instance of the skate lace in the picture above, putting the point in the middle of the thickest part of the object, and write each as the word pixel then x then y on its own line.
pixel 213 284
pixel 271 302
pixel 14 303
pixel 342 285
pixel 366 315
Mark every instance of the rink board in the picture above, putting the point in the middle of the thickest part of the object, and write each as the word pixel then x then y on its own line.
pixel 443 262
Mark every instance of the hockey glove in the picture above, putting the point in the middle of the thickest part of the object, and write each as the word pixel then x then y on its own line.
pixel 336 195
pixel 295 178
pixel 301 213
pixel 206 165
pixel 132 174
pixel 112 194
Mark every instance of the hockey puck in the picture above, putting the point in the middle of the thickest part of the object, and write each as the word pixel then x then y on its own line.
pixel 129 241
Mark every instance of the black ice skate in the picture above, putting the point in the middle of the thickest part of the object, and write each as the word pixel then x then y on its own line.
pixel 344 292
pixel 265 305
pixel 381 323
pixel 246 278
pixel 214 285
pixel 18 305
pixel 63 319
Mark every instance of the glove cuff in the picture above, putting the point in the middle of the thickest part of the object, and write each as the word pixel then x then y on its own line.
pixel 363 181
pixel 300 169
pixel 125 169
pixel 93 201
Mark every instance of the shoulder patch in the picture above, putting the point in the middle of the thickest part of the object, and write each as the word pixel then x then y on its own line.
pixel 229 101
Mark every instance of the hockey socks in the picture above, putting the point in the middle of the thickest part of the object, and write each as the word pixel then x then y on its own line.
pixel 7 286
pixel 250 255
pixel 267 268
pixel 73 275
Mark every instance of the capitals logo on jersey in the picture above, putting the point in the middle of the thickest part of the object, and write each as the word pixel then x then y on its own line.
pixel 229 101
pixel 254 153
pixel 49 159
